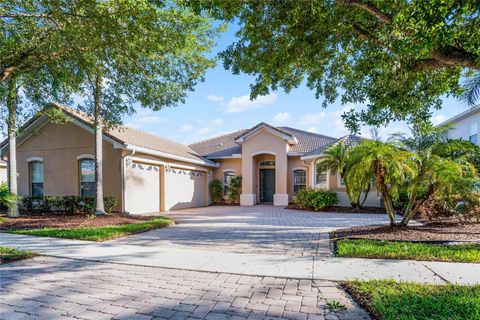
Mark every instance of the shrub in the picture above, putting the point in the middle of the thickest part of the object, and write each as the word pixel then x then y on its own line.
pixel 66 204
pixel 7 199
pixel 233 190
pixel 216 188
pixel 315 199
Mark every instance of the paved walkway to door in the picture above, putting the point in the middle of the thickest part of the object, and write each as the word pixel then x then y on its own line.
pixel 263 229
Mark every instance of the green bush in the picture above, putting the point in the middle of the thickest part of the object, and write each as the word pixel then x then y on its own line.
pixel 66 204
pixel 216 188
pixel 315 199
pixel 7 199
pixel 233 189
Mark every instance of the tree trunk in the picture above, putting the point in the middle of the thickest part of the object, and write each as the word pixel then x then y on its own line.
pixel 367 191
pixel 12 100
pixel 99 206
pixel 380 175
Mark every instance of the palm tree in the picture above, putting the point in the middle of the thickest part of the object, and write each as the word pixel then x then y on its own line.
pixel 472 90
pixel 390 166
pixel 437 173
pixel 335 159
pixel 7 199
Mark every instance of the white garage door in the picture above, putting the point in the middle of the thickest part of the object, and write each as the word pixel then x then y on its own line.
pixel 184 189
pixel 142 189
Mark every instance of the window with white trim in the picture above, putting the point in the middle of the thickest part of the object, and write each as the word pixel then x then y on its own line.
pixel 473 137
pixel 87 177
pixel 299 180
pixel 36 178
pixel 227 177
pixel 321 176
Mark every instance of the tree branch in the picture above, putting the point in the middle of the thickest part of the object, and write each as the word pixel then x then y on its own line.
pixel 449 56
pixel 384 17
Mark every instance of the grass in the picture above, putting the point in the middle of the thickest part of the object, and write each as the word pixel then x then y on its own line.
pixel 390 300
pixel 408 250
pixel 8 254
pixel 98 233
pixel 2 219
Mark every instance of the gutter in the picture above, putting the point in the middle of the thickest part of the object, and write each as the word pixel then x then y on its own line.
pixel 170 156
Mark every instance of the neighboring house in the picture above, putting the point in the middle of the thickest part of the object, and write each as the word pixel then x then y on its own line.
pixel 465 125
pixel 3 171
pixel 148 173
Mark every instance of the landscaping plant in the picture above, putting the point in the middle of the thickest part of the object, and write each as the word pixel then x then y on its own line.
pixel 7 199
pixel 66 204
pixel 234 189
pixel 216 189
pixel 315 199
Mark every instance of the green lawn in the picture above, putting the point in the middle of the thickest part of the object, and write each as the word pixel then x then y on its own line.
pixel 98 233
pixel 408 250
pixel 390 300
pixel 8 254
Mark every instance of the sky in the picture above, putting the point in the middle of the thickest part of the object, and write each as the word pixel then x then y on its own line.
pixel 221 104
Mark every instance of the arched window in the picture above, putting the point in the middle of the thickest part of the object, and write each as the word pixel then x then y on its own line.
pixel 299 180
pixel 87 177
pixel 35 169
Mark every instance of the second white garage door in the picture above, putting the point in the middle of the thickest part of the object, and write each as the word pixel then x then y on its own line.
pixel 184 188
pixel 142 189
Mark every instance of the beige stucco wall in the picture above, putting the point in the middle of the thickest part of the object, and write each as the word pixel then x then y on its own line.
pixel 264 142
pixel 59 145
pixel 3 173
pixel 296 163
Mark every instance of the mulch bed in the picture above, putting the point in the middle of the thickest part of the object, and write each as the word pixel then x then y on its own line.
pixel 449 230
pixel 68 221
pixel 340 209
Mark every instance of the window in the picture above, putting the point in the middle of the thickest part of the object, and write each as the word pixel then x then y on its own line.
pixel 299 180
pixel 227 177
pixel 87 177
pixel 36 178
pixel 473 137
pixel 321 176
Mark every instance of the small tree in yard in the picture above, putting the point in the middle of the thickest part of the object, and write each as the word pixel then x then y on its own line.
pixel 233 189
pixel 390 166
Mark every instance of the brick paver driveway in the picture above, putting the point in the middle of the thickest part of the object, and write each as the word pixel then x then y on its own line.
pixel 260 229
pixel 55 288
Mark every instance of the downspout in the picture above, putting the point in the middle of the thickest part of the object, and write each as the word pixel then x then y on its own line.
pixel 124 177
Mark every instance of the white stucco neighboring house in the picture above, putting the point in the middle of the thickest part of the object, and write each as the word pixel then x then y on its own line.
pixel 3 171
pixel 465 125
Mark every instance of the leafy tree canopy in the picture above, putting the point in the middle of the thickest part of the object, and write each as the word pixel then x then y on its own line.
pixel 399 56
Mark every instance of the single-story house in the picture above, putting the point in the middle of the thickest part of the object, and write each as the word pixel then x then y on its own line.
pixel 148 173
pixel 465 125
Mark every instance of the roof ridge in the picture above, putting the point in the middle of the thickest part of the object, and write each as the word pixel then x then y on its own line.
pixel 309 132
pixel 216 137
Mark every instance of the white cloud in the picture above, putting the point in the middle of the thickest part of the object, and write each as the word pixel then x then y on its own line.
pixel 186 128
pixel 312 118
pixel 215 98
pixel 217 122
pixel 282 117
pixel 149 120
pixel 439 119
pixel 203 131
pixel 243 103
pixel 313 129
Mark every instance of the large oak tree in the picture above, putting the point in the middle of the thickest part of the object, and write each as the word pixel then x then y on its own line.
pixel 399 57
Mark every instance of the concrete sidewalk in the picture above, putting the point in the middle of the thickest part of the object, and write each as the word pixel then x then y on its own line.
pixel 299 267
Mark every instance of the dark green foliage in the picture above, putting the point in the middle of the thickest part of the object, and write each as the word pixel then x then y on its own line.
pixel 7 199
pixel 315 199
pixel 216 188
pixel 66 204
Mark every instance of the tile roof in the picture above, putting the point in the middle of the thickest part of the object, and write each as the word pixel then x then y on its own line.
pixel 128 135
pixel 348 140
pixel 225 145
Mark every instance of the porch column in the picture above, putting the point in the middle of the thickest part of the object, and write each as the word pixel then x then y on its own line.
pixel 248 196
pixel 280 198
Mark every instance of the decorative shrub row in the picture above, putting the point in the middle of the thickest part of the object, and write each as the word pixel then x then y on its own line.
pixel 315 199
pixel 66 204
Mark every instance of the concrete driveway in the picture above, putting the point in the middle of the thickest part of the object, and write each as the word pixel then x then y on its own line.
pixel 260 229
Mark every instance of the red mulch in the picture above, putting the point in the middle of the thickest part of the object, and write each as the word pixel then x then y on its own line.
pixel 340 209
pixel 68 221
pixel 448 230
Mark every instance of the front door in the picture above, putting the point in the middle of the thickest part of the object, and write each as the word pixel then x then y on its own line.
pixel 267 185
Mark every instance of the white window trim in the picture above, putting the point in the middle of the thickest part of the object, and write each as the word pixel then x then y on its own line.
pixel 293 177
pixel 32 159
pixel 86 156
pixel 228 170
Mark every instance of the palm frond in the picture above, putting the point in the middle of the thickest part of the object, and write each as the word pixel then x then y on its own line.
pixel 472 90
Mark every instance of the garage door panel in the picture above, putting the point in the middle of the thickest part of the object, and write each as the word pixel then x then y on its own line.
pixel 142 188
pixel 184 189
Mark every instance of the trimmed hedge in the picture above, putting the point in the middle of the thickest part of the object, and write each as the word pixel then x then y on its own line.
pixel 315 199
pixel 66 204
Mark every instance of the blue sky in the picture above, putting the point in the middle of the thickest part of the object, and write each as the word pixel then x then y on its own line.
pixel 221 104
